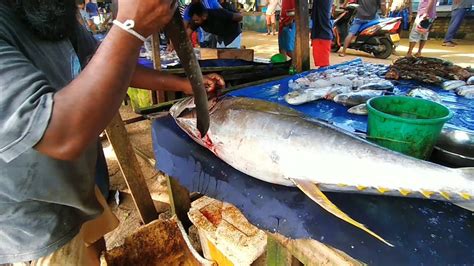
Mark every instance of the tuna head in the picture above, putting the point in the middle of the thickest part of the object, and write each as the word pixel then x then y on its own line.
pixel 184 113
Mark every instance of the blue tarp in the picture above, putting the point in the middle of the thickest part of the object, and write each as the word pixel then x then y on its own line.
pixel 424 232
pixel 337 114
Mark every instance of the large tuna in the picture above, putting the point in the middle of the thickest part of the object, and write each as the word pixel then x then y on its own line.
pixel 278 145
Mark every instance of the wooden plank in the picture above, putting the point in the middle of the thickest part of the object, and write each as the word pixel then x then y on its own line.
pixel 180 201
pixel 312 252
pixel 127 160
pixel 167 105
pixel 162 242
pixel 302 36
pixel 157 96
pixel 244 54
pixel 276 254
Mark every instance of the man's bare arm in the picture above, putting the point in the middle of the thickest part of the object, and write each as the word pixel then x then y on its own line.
pixel 83 108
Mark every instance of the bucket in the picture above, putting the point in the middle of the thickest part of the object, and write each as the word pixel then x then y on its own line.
pixel 406 124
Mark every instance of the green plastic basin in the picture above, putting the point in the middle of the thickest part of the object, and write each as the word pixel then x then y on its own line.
pixel 406 124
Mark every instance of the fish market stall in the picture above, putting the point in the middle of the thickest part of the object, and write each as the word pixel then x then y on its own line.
pixel 422 231
pixel 234 71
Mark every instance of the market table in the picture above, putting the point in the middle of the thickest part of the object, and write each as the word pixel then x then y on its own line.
pixel 234 71
pixel 423 231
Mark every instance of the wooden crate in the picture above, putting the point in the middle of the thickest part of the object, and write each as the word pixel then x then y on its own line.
pixel 244 54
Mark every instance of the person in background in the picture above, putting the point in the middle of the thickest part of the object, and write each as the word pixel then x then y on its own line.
pixel 366 11
pixel 287 28
pixel 84 17
pixel 321 32
pixel 421 27
pixel 228 6
pixel 224 24
pixel 206 39
pixel 92 8
pixel 403 9
pixel 459 10
pixel 271 17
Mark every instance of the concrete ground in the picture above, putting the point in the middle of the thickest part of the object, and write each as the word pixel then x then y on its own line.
pixel 265 46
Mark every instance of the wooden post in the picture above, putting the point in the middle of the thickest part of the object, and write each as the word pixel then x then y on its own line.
pixel 118 138
pixel 302 36
pixel 180 201
pixel 157 96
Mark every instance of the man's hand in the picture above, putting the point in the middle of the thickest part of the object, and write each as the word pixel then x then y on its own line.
pixel 211 83
pixel 150 16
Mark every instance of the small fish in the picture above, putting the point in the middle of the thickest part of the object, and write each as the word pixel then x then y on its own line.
pixel 358 97
pixel 343 81
pixel 384 85
pixel 470 81
pixel 304 96
pixel 424 93
pixel 360 109
pixel 303 81
pixel 320 83
pixel 466 91
pixel 452 84
pixel 334 91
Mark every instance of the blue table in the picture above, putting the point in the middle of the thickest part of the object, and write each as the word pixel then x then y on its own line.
pixel 423 231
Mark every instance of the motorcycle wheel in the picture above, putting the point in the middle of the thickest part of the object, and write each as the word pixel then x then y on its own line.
pixel 388 49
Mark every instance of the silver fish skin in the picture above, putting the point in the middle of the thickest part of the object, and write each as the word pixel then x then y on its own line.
pixel 425 93
pixel 278 145
pixel 304 96
pixel 382 85
pixel 470 81
pixel 275 143
pixel 360 109
pixel 334 91
pixel 358 97
pixel 452 84
pixel 466 91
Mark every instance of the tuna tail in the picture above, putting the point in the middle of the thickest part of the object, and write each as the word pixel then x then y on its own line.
pixel 467 201
pixel 313 192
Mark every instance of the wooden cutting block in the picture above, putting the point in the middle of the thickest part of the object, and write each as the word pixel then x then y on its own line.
pixel 226 235
pixel 244 54
pixel 161 242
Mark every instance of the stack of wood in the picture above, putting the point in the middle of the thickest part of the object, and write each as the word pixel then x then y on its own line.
pixel 427 69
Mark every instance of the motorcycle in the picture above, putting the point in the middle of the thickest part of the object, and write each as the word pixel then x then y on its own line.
pixel 379 37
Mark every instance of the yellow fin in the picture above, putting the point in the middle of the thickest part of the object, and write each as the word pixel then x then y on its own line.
pixel 427 194
pixel 312 191
pixel 404 192
pixel 341 185
pixel 465 196
pixel 382 189
pixel 445 195
pixel 360 188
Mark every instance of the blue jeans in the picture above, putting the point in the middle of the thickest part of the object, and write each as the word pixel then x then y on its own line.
pixel 457 16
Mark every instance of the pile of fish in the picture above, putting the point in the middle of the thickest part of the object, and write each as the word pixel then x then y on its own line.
pixel 428 70
pixel 462 88
pixel 350 86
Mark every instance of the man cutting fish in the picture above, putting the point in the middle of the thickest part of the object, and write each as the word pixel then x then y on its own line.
pixel 59 91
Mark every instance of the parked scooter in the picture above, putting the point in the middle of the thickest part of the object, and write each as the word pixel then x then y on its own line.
pixel 378 37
